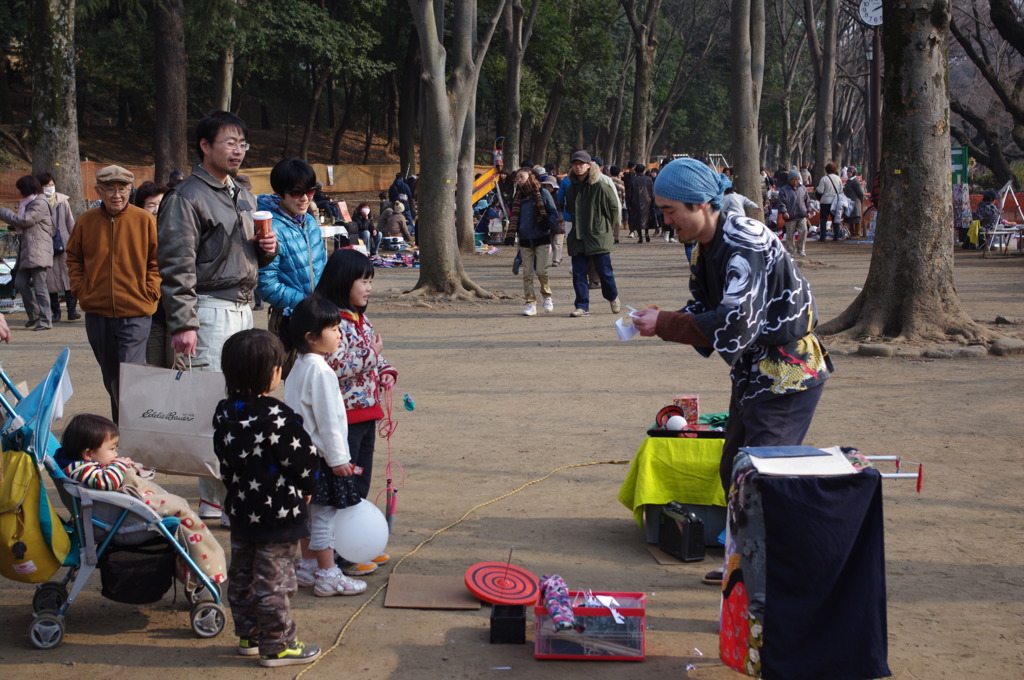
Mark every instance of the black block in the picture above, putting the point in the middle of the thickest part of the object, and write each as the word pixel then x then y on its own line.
pixel 508 624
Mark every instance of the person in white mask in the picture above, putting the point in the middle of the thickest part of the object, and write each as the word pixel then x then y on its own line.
pixel 57 281
pixel 363 225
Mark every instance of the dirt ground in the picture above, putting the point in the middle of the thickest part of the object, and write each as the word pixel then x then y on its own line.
pixel 502 400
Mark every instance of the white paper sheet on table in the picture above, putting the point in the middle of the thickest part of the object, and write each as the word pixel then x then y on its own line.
pixel 835 463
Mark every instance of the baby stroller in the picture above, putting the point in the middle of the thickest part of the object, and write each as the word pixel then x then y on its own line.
pixel 102 525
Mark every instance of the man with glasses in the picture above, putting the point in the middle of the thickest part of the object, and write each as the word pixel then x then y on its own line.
pixel 111 257
pixel 209 258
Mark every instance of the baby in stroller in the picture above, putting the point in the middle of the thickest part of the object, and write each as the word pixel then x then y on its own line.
pixel 89 455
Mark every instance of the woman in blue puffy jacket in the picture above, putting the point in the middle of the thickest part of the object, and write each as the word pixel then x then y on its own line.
pixel 301 254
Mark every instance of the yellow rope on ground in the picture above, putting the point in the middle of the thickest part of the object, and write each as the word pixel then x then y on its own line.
pixel 356 613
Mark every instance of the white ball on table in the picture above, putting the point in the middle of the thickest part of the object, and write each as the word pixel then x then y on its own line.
pixel 675 423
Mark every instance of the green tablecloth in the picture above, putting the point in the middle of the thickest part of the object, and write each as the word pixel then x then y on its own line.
pixel 673 469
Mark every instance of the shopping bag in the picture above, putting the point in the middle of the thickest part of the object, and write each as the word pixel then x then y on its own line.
pixel 166 419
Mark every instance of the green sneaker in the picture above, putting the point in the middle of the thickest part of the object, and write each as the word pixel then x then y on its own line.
pixel 248 646
pixel 296 653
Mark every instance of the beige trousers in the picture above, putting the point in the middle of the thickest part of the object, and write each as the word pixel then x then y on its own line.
pixel 540 259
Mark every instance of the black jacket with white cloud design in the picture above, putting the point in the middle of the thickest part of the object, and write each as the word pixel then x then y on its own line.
pixel 268 464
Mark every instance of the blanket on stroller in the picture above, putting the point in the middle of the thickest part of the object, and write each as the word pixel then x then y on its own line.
pixel 203 548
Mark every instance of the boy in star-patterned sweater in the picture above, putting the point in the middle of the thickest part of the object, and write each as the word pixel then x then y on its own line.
pixel 270 467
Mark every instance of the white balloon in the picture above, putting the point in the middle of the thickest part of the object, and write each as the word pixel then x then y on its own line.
pixel 675 423
pixel 360 532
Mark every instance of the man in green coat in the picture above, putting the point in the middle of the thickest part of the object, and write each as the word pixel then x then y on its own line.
pixel 594 209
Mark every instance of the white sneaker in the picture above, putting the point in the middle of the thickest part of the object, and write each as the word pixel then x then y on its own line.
pixel 549 305
pixel 332 582
pixel 530 309
pixel 305 573
pixel 208 510
pixel 616 306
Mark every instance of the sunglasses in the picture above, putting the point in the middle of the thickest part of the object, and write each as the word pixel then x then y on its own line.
pixel 300 193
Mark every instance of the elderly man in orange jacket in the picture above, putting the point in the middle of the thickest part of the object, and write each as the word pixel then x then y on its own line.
pixel 114 275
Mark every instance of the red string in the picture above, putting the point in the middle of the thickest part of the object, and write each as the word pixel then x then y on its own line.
pixel 385 429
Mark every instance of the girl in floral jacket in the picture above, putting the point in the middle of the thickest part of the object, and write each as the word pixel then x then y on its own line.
pixel 347 281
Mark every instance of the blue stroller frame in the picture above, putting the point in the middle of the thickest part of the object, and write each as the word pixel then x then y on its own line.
pixel 99 520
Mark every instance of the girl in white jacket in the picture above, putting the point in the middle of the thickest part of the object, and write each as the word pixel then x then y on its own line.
pixel 312 391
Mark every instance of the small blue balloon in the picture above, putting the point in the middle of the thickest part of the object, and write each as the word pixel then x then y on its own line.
pixel 410 405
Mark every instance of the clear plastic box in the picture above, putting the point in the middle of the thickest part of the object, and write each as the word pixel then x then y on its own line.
pixel 603 639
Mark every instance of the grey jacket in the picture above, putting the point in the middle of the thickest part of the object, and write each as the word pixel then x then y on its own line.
pixel 795 201
pixel 36 230
pixel 206 247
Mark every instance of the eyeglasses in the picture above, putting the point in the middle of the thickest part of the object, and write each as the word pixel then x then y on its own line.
pixel 233 144
pixel 299 193
pixel 116 189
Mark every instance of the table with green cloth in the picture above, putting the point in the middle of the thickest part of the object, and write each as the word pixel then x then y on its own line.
pixel 683 469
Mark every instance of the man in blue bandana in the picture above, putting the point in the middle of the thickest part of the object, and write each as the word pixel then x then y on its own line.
pixel 751 305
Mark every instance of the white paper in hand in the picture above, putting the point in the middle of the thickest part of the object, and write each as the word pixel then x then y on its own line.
pixel 625 330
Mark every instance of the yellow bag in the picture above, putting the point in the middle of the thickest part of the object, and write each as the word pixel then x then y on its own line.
pixel 972 232
pixel 33 542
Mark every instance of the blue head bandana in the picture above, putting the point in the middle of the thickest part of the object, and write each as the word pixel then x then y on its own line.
pixel 689 181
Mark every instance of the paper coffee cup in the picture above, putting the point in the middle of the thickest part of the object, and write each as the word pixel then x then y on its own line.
pixel 262 220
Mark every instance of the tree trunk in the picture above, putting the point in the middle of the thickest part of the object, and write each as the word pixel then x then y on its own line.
pixel 539 152
pixel 517 36
pixel 408 97
pixel 346 122
pixel 446 108
pixel 464 223
pixel 225 77
pixel 645 39
pixel 747 33
pixel 331 117
pixel 124 111
pixel 51 41
pixel 823 56
pixel 910 294
pixel 5 92
pixel 617 105
pixel 314 102
pixel 390 99
pixel 170 144
pixel 513 114
pixel 368 144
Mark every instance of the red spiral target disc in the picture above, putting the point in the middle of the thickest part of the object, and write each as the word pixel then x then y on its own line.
pixel 501 583
pixel 667 412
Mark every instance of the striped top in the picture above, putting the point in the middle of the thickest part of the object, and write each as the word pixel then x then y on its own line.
pixel 107 477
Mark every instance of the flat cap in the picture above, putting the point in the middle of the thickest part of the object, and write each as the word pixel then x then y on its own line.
pixel 114 173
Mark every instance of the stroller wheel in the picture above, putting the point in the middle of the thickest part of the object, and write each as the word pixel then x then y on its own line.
pixel 49 597
pixel 47 630
pixel 208 619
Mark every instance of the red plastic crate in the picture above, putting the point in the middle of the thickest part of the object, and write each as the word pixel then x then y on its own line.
pixel 603 639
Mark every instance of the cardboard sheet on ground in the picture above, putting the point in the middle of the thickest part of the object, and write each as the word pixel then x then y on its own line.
pixel 420 591
pixel 662 557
